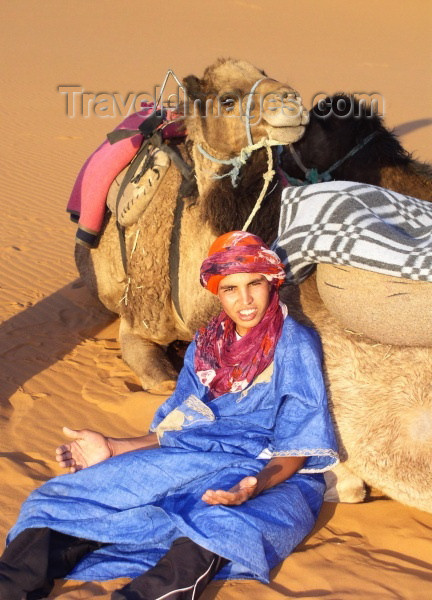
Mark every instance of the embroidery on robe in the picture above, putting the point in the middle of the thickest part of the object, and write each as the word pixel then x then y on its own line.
pixel 191 411
pixel 308 452
pixel 198 406
pixel 264 377
pixel 172 422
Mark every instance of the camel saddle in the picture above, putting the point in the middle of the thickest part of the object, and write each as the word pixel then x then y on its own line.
pixel 372 249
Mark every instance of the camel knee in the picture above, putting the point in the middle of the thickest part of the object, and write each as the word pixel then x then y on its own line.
pixel 343 486
pixel 148 360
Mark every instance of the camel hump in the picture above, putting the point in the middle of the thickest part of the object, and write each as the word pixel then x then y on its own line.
pixel 384 308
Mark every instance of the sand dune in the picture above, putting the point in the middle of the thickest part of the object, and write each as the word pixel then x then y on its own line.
pixel 60 359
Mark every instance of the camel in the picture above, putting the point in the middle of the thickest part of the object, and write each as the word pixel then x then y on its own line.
pixel 380 395
pixel 143 297
pixel 377 156
pixel 356 146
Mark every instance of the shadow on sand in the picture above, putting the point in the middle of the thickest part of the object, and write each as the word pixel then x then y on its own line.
pixel 410 126
pixel 39 336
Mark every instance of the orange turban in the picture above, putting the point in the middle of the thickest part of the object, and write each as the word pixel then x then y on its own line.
pixel 239 252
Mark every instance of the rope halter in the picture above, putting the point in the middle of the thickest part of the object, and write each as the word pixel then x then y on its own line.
pixel 312 175
pixel 237 162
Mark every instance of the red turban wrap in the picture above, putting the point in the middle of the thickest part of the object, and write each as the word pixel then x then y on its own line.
pixel 239 252
pixel 223 362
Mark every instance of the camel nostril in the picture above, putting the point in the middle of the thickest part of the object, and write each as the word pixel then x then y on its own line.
pixel 289 96
pixel 292 106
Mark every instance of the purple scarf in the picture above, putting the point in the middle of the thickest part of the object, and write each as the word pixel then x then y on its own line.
pixel 227 364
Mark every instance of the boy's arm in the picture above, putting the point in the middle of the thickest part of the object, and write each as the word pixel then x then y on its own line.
pixel 89 447
pixel 122 445
pixel 276 471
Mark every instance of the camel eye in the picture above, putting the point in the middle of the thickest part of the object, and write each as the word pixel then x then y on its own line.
pixel 228 102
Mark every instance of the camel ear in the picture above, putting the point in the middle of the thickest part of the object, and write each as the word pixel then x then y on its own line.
pixel 195 92
pixel 194 87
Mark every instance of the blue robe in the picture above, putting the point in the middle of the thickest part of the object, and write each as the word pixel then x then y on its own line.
pixel 139 502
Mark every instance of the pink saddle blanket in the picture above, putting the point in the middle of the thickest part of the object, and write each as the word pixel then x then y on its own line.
pixel 87 202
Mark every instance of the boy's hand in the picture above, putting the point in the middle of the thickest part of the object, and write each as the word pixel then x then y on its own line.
pixel 238 494
pixel 87 448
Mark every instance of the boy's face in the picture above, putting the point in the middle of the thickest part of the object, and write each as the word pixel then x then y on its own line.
pixel 245 298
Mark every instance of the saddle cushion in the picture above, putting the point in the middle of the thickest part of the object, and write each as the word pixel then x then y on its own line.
pixel 387 309
pixel 355 224
pixel 373 252
pixel 87 203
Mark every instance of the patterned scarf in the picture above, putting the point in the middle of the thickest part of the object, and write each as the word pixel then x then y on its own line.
pixel 223 362
pixel 227 364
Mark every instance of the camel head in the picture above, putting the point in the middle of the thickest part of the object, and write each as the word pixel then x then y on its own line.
pixel 235 105
pixel 330 137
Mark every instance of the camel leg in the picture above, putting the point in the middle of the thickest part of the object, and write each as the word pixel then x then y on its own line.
pixel 343 486
pixel 148 360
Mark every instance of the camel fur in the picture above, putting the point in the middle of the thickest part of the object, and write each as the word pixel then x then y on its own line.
pixel 381 161
pixel 142 295
pixel 380 395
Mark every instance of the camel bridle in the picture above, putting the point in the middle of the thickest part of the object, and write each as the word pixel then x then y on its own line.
pixel 312 175
pixel 238 161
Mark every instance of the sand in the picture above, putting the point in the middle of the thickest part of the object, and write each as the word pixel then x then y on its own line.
pixel 60 358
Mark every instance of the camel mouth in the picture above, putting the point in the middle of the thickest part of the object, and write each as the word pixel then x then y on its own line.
pixel 286 128
pixel 285 135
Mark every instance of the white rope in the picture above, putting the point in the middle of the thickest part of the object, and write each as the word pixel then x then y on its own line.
pixel 248 108
pixel 238 161
pixel 268 176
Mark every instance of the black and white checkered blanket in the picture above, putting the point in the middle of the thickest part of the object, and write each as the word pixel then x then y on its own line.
pixel 347 223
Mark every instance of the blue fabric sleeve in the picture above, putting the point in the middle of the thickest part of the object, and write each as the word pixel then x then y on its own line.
pixel 303 424
pixel 187 384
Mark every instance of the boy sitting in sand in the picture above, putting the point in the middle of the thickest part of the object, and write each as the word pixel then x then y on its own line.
pixel 228 481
